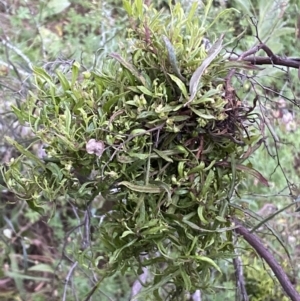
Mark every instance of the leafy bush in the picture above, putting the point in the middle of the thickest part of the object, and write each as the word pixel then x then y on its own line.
pixel 152 141
pixel 173 156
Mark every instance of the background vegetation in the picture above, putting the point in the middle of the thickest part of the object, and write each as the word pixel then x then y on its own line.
pixel 52 34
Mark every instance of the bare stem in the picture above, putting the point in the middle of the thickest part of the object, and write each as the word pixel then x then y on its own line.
pixel 264 253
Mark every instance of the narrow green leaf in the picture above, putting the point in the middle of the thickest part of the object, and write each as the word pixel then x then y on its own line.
pixel 203 115
pixel 68 117
pixel 35 207
pixel 126 233
pixel 200 229
pixel 118 251
pixel 128 7
pixel 179 118
pixel 164 187
pixel 154 230
pixel 201 216
pixel 138 132
pixel 207 96
pixel 75 71
pixel 39 72
pixel 138 155
pixel 195 79
pixel 144 189
pixel 206 11
pixel 63 80
pixel 68 144
pixel 21 115
pixel 172 58
pixel 55 170
pixel 112 101
pixel 192 11
pixel 139 8
pixel 180 85
pixel 17 275
pixel 197 169
pixel 208 260
pixel 208 182
pixel 25 152
pixel 163 155
pixel 130 68
pixel 186 279
pixel 145 90
pixel 221 219
pixel 41 268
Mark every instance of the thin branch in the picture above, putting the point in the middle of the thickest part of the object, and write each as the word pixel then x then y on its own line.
pixel 239 274
pixel 10 67
pixel 274 60
pixel 6 43
pixel 68 279
pixel 264 253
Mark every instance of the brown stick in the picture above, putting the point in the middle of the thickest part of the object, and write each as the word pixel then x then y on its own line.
pixel 264 253
pixel 239 274
pixel 275 60
pixel 272 59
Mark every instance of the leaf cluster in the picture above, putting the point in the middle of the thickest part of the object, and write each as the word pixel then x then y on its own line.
pixel 154 133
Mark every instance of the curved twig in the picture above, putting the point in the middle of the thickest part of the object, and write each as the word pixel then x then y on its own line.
pixel 264 253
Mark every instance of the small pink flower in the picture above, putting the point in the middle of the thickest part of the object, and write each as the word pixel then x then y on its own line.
pixel 95 147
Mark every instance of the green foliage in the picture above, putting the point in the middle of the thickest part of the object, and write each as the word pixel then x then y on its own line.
pixel 156 124
pixel 144 133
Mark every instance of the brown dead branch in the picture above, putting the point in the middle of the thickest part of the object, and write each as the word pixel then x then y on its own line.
pixel 271 59
pixel 265 254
